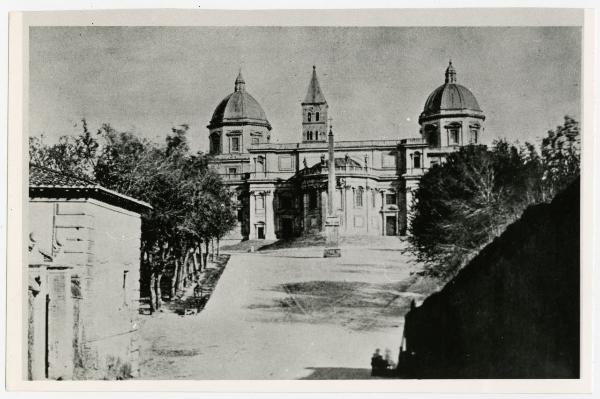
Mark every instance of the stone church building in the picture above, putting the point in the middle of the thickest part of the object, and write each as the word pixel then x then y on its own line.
pixel 281 188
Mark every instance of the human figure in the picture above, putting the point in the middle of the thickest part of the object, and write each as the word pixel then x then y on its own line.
pixel 377 363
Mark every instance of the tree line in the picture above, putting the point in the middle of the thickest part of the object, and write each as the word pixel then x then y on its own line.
pixel 464 203
pixel 191 205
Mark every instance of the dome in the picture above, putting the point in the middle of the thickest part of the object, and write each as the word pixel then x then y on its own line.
pixel 451 98
pixel 239 108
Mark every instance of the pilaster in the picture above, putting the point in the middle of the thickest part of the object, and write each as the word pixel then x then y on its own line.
pixel 269 216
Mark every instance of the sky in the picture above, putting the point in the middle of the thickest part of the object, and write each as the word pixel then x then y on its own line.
pixel 375 79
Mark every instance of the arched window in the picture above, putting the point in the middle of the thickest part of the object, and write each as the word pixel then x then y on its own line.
pixel 417 160
pixel 317 116
pixel 309 116
pixel 358 201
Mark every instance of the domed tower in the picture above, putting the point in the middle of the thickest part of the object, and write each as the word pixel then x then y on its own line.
pixel 314 112
pixel 451 116
pixel 238 122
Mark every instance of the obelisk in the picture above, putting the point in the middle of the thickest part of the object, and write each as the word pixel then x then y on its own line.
pixel 332 223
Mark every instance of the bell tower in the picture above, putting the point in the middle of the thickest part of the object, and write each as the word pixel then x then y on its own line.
pixel 314 113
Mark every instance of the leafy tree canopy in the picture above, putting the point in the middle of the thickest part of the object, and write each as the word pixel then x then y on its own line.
pixel 462 204
pixel 191 204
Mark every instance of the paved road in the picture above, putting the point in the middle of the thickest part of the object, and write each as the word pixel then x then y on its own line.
pixel 285 314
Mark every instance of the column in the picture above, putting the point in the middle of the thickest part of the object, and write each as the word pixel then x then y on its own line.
pixel 305 223
pixel 323 205
pixel 252 216
pixel 269 216
pixel 382 202
pixel 347 205
pixel 367 204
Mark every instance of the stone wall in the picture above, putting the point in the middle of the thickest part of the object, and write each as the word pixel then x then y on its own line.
pixel 513 311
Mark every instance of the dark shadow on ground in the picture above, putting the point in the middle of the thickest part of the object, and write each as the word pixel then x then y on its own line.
pixel 295 257
pixel 296 242
pixel 337 373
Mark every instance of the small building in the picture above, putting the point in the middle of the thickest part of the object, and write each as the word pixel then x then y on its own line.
pixel 281 188
pixel 84 267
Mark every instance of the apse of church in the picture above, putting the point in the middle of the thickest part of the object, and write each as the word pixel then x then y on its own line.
pixel 281 188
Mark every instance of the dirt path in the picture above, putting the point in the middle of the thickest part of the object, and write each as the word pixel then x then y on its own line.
pixel 286 314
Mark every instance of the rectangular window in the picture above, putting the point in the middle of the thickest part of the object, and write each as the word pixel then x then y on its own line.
pixel 417 160
pixel 215 144
pixel 453 136
pixel 235 144
pixel 358 202
pixel 390 199
pixel 254 140
pixel 260 202
pixel 432 134
pixel 474 137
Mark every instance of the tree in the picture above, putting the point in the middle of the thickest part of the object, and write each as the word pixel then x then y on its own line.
pixel 462 204
pixel 561 154
pixel 190 202
pixel 465 202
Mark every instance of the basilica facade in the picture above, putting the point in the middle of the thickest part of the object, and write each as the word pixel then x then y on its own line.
pixel 281 188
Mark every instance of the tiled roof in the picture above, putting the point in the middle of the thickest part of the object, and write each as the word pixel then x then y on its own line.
pixel 41 176
pixel 45 182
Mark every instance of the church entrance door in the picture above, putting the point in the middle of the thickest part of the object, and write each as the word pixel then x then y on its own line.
pixel 260 232
pixel 286 228
pixel 390 225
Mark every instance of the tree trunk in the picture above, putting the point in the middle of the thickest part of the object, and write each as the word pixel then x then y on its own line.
pixel 153 300
pixel 175 279
pixel 212 250
pixel 205 255
pixel 182 276
pixel 186 267
pixel 200 260
pixel 218 245
pixel 194 265
pixel 158 291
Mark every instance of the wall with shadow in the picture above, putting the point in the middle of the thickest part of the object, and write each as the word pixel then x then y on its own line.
pixel 513 311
